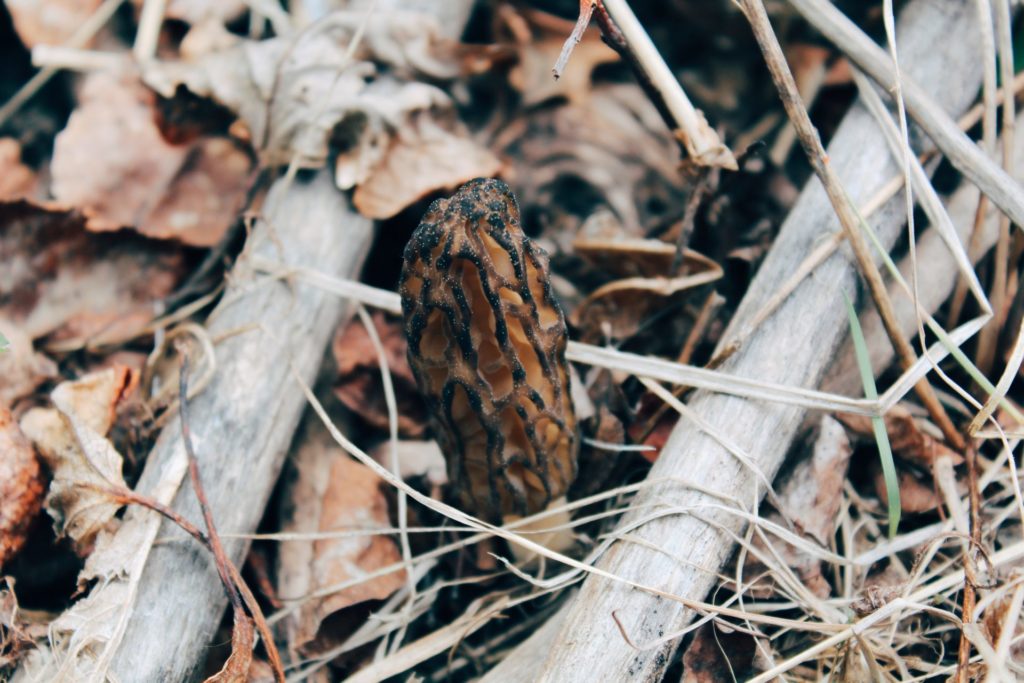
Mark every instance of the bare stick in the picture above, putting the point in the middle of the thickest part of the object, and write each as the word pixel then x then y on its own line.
pixel 989 337
pixel 148 33
pixel 796 345
pixel 247 414
pixel 225 567
pixel 701 142
pixel 936 283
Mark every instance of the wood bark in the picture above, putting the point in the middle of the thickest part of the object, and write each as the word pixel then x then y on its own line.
pixel 795 346
pixel 936 273
pixel 243 422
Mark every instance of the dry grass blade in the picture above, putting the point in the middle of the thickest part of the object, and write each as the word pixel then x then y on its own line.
pixel 228 572
pixel 811 143
pixel 961 152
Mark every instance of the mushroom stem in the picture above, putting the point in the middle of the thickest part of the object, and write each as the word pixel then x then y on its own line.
pixel 554 532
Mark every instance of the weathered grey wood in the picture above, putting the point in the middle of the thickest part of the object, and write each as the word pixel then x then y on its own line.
pixel 795 346
pixel 966 156
pixel 937 274
pixel 244 420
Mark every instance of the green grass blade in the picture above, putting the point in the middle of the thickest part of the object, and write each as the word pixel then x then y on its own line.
pixel 958 355
pixel 892 489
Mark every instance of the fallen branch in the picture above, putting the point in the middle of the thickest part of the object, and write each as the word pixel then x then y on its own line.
pixel 796 346
pixel 244 419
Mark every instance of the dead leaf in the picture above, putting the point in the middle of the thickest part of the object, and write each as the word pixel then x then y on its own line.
pixel 81 633
pixel 567 161
pixel 205 198
pixel 907 440
pixel 539 37
pixel 359 384
pixel 112 162
pixel 51 22
pixel 423 158
pixel 332 492
pixel 996 614
pixel 17 181
pixel 810 493
pixel 715 655
pixel 59 281
pixel 293 106
pixel 596 463
pixel 879 589
pixel 197 11
pixel 619 308
pixel 622 256
pixel 917 493
pixel 21 487
pixel 70 437
pixel 243 637
pixel 22 368
pixel 15 639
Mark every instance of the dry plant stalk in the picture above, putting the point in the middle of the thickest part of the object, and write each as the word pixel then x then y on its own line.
pixel 624 33
pixel 811 142
pixel 487 346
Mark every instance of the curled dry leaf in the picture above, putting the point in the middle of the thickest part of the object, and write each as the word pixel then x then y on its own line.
pixel 82 633
pixel 112 162
pixel 70 437
pixel 17 181
pixel 61 282
pixel 243 638
pixel 718 655
pixel 999 613
pixel 539 37
pixel 332 492
pixel 21 487
pixel 294 93
pixel 423 157
pixel 918 493
pixel 359 379
pixel 49 22
pixel 23 369
pixel 620 307
pixel 16 638
pixel 487 345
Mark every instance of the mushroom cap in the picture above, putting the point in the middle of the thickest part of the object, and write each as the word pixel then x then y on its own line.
pixel 487 345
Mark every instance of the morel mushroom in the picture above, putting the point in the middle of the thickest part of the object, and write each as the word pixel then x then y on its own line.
pixel 487 347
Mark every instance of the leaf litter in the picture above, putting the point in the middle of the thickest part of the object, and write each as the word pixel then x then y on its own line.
pixel 159 162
